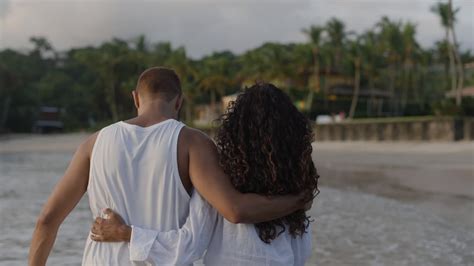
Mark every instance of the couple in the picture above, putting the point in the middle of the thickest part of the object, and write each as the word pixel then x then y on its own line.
pixel 171 194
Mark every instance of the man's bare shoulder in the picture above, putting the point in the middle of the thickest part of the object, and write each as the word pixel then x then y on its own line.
pixel 194 136
pixel 198 142
pixel 88 144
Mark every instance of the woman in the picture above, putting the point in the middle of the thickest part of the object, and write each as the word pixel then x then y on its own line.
pixel 264 144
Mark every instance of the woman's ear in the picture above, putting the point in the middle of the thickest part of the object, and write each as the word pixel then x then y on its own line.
pixel 136 99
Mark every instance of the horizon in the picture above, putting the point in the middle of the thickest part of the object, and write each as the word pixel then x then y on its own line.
pixel 228 26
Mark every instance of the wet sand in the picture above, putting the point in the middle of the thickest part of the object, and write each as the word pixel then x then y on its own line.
pixel 442 168
pixel 388 169
pixel 439 176
pixel 41 143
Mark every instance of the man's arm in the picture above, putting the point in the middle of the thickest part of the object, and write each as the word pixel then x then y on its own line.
pixel 215 186
pixel 63 199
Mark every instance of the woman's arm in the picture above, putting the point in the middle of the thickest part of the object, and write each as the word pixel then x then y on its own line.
pixel 215 186
pixel 175 247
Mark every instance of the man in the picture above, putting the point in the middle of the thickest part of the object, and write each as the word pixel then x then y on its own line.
pixel 144 169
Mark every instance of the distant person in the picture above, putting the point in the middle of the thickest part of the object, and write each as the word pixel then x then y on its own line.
pixel 145 169
pixel 264 145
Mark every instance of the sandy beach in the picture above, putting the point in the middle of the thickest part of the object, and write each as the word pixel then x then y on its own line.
pixel 380 203
pixel 41 143
pixel 439 175
pixel 443 168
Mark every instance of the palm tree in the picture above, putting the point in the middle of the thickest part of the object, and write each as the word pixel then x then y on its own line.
pixel 214 85
pixel 42 46
pixel 460 66
pixel 391 42
pixel 178 60
pixel 216 75
pixel 314 34
pixel 445 12
pixel 410 47
pixel 302 66
pixel 370 55
pixel 335 29
pixel 356 58
pixel 442 53
pixel 115 65
pixel 270 62
pixel 141 44
pixel 326 52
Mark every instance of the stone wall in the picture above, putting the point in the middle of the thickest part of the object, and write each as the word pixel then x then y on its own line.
pixel 402 129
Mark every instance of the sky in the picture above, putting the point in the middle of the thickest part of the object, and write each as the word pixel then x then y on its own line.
pixel 204 26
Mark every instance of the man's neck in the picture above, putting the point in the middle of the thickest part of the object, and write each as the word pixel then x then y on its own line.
pixel 151 114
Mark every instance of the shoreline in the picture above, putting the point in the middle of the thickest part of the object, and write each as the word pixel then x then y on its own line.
pixel 41 143
pixel 440 174
pixel 383 168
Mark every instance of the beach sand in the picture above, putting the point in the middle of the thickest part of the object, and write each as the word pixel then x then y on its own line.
pixel 438 175
pixel 444 168
pixel 388 169
pixel 41 143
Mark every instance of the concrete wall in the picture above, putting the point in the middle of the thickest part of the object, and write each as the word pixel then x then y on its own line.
pixel 393 129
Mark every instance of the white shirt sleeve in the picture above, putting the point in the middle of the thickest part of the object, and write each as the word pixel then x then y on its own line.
pixel 302 248
pixel 176 247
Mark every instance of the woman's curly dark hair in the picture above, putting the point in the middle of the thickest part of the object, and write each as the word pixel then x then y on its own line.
pixel 265 147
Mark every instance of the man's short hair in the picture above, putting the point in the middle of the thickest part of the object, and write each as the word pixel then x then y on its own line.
pixel 159 82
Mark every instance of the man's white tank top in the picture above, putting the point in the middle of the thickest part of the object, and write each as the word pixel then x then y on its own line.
pixel 134 171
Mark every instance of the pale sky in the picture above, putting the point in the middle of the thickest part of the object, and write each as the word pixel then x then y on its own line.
pixel 203 26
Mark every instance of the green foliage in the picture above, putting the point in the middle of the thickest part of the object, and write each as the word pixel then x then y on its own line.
pixel 92 85
pixel 448 107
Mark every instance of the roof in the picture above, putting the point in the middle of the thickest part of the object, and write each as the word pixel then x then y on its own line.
pixel 348 90
pixel 466 92
pixel 49 123
pixel 49 109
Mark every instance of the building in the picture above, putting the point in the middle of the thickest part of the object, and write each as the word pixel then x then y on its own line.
pixel 48 120
pixel 466 92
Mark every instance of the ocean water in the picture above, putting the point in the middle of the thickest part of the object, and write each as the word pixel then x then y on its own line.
pixel 350 227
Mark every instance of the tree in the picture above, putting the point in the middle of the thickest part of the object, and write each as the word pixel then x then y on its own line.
pixel 116 67
pixel 391 42
pixel 7 81
pixel 188 74
pixel 370 55
pixel 41 46
pixel 270 62
pixel 216 75
pixel 336 31
pixel 410 48
pixel 93 83
pixel 314 34
pixel 460 66
pixel 18 94
pixel 447 18
pixel 355 55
